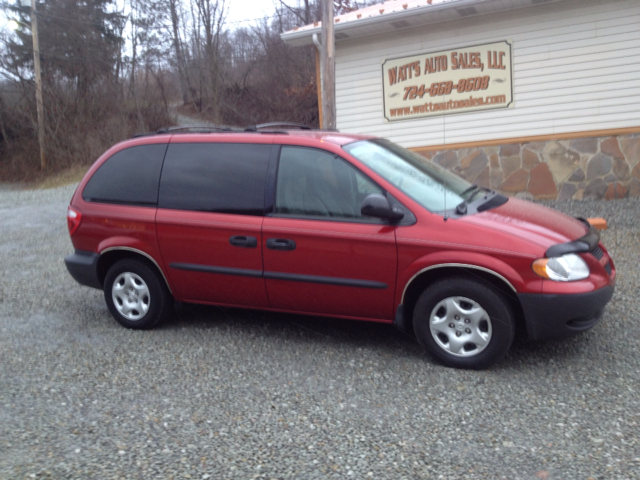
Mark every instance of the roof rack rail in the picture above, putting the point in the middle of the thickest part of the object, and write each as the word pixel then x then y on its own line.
pixel 201 128
pixel 142 134
pixel 255 128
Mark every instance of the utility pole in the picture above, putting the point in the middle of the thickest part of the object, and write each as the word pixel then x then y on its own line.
pixel 36 63
pixel 328 67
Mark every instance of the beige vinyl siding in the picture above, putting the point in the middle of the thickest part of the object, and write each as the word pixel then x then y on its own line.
pixel 575 68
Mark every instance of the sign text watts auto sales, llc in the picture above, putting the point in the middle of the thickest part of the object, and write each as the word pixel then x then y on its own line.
pixel 454 81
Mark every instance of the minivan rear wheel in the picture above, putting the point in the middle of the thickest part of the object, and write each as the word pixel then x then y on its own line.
pixel 464 323
pixel 136 295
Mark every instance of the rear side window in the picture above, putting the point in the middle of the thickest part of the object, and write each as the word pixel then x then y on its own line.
pixel 129 176
pixel 215 177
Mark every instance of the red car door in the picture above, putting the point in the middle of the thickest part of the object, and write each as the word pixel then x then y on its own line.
pixel 321 256
pixel 209 220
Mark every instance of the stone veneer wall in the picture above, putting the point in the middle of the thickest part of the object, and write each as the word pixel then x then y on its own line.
pixel 584 168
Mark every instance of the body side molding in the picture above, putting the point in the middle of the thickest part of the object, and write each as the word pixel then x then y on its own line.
pixel 292 277
pixel 243 272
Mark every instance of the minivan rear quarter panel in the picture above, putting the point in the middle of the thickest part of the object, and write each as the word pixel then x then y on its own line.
pixel 112 224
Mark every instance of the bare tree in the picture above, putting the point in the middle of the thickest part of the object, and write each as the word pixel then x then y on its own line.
pixel 111 68
pixel 180 63
pixel 210 16
pixel 83 72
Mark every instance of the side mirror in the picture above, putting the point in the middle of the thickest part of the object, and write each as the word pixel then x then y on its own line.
pixel 377 205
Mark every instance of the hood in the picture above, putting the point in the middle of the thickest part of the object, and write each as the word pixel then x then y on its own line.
pixel 530 221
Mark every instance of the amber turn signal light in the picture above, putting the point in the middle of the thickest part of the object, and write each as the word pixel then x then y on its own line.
pixel 597 222
pixel 540 267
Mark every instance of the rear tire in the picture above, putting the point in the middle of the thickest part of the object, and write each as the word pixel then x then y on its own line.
pixel 464 323
pixel 136 295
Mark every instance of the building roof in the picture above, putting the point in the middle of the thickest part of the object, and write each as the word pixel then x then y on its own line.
pixel 400 14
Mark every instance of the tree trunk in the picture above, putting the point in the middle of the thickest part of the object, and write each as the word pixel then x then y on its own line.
pixel 179 57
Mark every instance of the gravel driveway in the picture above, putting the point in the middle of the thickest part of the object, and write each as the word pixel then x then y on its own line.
pixel 234 394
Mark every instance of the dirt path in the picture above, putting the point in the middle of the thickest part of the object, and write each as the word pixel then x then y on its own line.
pixel 182 119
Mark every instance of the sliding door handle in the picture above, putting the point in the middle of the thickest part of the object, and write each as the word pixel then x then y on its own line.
pixel 281 244
pixel 243 241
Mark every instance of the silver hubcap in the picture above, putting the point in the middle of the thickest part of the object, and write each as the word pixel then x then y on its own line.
pixel 131 296
pixel 460 326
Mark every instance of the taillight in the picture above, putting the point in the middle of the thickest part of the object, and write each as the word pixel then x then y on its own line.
pixel 74 218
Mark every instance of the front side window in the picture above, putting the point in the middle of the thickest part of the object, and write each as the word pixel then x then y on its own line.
pixel 317 183
pixel 215 177
pixel 432 186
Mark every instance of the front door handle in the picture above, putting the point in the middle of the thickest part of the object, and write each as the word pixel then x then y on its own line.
pixel 243 241
pixel 281 244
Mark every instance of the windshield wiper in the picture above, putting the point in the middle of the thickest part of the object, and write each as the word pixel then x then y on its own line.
pixel 461 208
pixel 470 189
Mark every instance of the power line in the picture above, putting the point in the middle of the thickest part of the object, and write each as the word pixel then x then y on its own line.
pixel 46 16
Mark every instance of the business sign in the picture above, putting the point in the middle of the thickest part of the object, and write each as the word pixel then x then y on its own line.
pixel 453 81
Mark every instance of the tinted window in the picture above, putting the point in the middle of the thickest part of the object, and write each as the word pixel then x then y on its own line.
pixel 129 176
pixel 215 177
pixel 313 182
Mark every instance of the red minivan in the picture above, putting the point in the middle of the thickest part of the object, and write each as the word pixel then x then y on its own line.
pixel 324 223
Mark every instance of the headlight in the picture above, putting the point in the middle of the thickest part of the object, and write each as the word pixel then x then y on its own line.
pixel 561 269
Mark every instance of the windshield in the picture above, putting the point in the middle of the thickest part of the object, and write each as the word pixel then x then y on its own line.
pixel 429 184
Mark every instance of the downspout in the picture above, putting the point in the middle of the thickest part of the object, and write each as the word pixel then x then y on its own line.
pixel 318 45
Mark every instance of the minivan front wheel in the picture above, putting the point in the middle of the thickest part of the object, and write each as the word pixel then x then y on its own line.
pixel 136 295
pixel 464 323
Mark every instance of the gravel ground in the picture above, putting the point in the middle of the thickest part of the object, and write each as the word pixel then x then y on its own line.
pixel 234 394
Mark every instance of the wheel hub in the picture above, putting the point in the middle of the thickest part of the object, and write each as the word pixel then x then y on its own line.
pixel 131 296
pixel 460 326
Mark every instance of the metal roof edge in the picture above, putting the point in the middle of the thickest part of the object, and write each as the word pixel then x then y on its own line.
pixel 303 37
pixel 298 38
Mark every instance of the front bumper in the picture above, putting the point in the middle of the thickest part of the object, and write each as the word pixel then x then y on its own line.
pixel 83 267
pixel 558 316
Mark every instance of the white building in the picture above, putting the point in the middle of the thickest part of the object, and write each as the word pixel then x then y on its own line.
pixel 554 110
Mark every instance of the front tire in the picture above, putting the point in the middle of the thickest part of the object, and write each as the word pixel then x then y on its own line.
pixel 464 323
pixel 136 295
